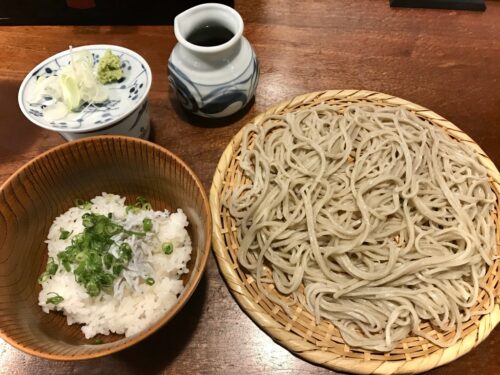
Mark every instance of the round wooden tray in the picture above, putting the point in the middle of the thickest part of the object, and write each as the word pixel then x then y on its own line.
pixel 322 344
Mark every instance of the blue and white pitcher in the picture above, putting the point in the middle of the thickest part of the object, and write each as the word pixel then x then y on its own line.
pixel 218 80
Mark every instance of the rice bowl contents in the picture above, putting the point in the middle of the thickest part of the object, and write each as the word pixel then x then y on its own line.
pixel 115 268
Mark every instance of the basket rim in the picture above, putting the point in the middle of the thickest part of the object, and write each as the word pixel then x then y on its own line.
pixel 295 343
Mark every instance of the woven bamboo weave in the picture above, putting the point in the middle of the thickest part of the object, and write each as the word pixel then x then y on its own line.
pixel 322 344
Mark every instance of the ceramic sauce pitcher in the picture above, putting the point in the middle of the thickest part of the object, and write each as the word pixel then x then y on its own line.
pixel 213 68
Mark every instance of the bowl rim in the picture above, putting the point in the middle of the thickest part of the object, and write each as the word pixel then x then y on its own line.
pixel 186 293
pixel 90 47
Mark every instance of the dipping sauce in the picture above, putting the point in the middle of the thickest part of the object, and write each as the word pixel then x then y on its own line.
pixel 209 35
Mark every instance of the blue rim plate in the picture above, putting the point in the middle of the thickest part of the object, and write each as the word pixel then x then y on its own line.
pixel 125 95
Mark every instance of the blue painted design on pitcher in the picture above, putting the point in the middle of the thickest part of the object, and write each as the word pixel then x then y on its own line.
pixel 215 100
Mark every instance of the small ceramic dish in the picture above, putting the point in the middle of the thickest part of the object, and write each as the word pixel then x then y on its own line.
pixel 124 113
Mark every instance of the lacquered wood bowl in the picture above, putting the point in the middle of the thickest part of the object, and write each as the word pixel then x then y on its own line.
pixel 45 188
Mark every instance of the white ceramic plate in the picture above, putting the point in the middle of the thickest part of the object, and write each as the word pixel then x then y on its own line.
pixel 125 96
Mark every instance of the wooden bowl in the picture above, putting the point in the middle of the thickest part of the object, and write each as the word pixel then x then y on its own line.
pixel 45 188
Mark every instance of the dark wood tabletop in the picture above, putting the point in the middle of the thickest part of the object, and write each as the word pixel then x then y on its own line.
pixel 448 61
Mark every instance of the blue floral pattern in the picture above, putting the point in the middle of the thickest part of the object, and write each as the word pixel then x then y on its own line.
pixel 124 94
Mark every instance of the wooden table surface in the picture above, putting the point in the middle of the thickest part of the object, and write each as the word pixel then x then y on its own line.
pixel 448 61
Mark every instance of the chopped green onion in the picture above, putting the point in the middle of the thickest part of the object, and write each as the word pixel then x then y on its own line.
pixel 66 265
pixel 99 227
pixel 49 271
pixel 167 247
pixel 43 278
pixel 141 203
pixel 94 263
pixel 131 232
pixel 141 200
pixel 147 225
pixel 92 288
pixel 89 257
pixel 81 256
pixel 112 229
pixel 117 268
pixel 150 281
pixel 106 279
pixel 108 260
pixel 132 209
pixel 98 342
pixel 80 203
pixel 54 300
pixel 125 251
pixel 88 220
pixel 51 267
pixel 64 234
pixel 77 240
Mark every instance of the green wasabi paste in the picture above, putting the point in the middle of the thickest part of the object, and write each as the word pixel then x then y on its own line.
pixel 109 68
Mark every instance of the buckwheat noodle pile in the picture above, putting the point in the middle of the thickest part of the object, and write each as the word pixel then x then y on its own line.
pixel 381 216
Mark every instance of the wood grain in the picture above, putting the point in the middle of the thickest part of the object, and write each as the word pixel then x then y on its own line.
pixel 48 186
pixel 444 60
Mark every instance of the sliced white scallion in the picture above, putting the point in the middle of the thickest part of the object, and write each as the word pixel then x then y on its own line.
pixel 56 111
pixel 74 85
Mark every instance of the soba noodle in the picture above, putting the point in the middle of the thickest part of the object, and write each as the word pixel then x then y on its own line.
pixel 381 216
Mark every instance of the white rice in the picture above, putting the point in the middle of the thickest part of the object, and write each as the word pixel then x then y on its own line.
pixel 134 304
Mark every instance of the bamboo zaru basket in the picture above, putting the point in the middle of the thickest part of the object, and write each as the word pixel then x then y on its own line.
pixel 322 343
